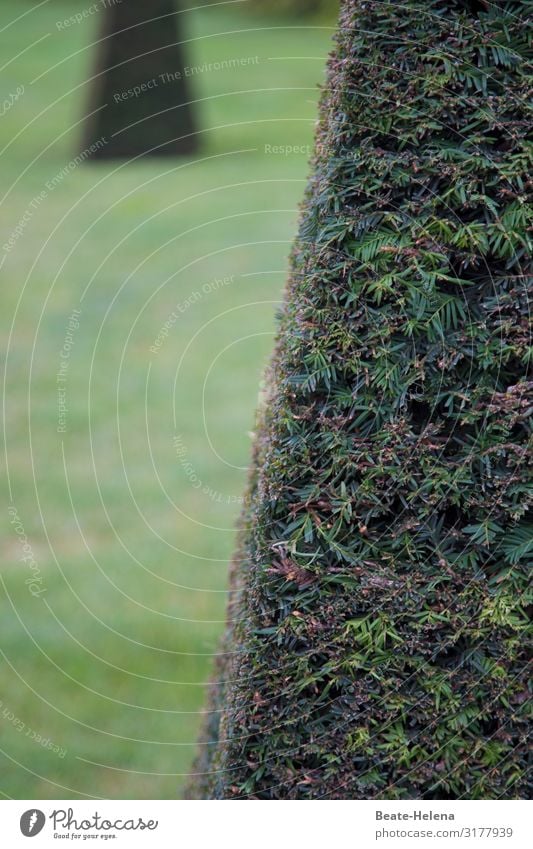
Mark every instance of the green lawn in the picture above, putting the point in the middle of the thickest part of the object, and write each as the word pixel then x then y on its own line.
pixel 129 513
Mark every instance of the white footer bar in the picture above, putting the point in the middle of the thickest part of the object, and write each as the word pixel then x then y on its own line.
pixel 283 825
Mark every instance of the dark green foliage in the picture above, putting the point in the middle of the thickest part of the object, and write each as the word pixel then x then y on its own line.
pixel 377 641
pixel 140 98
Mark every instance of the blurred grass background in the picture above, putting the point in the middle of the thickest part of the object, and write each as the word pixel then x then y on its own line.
pixel 110 663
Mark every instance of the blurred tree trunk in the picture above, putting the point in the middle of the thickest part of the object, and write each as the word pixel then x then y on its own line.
pixel 140 89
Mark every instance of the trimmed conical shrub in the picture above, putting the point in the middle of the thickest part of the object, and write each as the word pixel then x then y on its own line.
pixel 140 99
pixel 377 638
